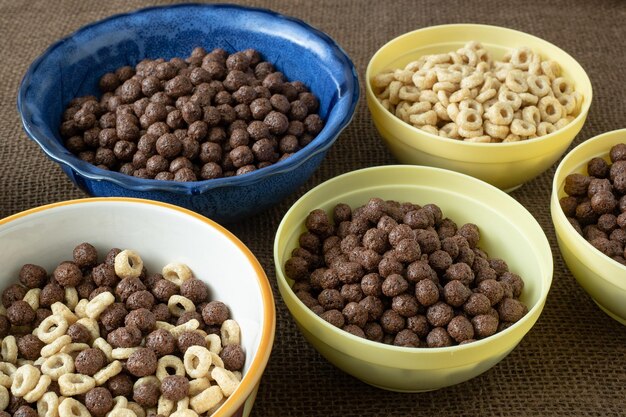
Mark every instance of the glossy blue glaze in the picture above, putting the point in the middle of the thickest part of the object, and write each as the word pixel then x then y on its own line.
pixel 72 67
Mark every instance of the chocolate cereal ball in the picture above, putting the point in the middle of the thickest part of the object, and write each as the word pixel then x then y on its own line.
pixel 32 276
pixel 439 314
pixel 460 329
pixel 215 313
pixel 141 318
pixel 20 313
pixel 142 362
pixel 392 322
pixel 79 333
pixel 120 385
pixel 511 310
pixel 29 347
pixel 406 338
pixel 113 316
pixel 187 339
pixel 164 289
pixel 99 401
pixel 67 274
pixel 25 411
pixel 124 337
pixel 140 299
pixel 49 295
pixel 334 317
pixel 90 361
pixel 195 290
pixel 162 342
pixel 426 292
pixel 438 337
pixel 175 387
pixel 484 325
pixel 233 357
pixel 5 326
pixel 147 395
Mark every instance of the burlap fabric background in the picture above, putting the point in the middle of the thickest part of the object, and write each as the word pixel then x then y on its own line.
pixel 573 362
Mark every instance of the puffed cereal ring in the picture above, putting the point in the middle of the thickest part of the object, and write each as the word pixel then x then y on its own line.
pixel 496 131
pixel 206 399
pixel 179 305
pixel 511 138
pixel 165 406
pixel 196 386
pixel 121 412
pixel 383 79
pixel 426 118
pixel 441 111
pixel 403 75
pixel 453 110
pixel 415 65
pixel 136 408
pixel 51 328
pixel 119 402
pixel 468 56
pixel 7 368
pixel 98 304
pixel 521 58
pixel 446 75
pixel 469 119
pixel 104 346
pixel 69 407
pixel 8 349
pixel 516 81
pixel 419 107
pixel 230 332
pixel 197 361
pixel 449 130
pixel 75 384
pixel 146 380
pixel 479 139
pixel 79 310
pixel 21 361
pixel 522 128
pixel 473 81
pixel 24 380
pixel 56 346
pixel 428 96
pixel 216 361
pixel 500 113
pixel 5 380
pixel 551 69
pixel 57 365
pixel 568 102
pixel 563 122
pixel 48 405
pixel 408 92
pixel 471 104
pixel 71 297
pixel 486 95
pixel 561 86
pixel 545 128
pixel 123 353
pixel 507 96
pixel 165 325
pixel 182 404
pixel 466 133
pixel 532 115
pixel 460 95
pixel 74 348
pixel 108 372
pixel 550 109
pixel 178 273
pixel 394 98
pixel 169 362
pixel 226 380
pixel 92 327
pixel 445 86
pixel 4 397
pixel 430 129
pixel 32 298
pixel 40 389
pixel 128 264
pixel 184 413
pixel 60 309
pixel 538 85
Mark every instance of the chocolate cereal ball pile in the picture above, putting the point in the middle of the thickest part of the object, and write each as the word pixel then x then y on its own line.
pixel 104 337
pixel 208 116
pixel 596 203
pixel 402 274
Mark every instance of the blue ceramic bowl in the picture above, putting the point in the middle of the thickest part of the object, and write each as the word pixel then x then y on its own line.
pixel 72 67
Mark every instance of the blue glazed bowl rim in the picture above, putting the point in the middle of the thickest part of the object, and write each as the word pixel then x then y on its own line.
pixel 321 143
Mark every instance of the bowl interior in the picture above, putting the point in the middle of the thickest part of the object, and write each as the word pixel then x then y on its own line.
pixel 160 234
pixel 508 231
pixel 73 66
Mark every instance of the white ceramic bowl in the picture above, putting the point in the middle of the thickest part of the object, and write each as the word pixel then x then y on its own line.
pixel 160 233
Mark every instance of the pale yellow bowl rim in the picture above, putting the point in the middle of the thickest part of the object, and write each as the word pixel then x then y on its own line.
pixel 259 362
pixel 368 88
pixel 571 233
pixel 478 344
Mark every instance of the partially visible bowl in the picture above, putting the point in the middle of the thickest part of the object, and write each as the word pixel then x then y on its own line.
pixel 505 165
pixel 603 278
pixel 161 234
pixel 72 66
pixel 508 231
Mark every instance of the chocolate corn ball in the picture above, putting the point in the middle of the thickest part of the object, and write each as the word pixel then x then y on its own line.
pixel 20 313
pixel 162 342
pixel 334 317
pixel 175 387
pixel 618 152
pixel 99 401
pixel 79 333
pixel 32 276
pixel 438 337
pixel 142 362
pixel 120 385
pixel 233 357
pixel 25 411
pixel 49 294
pixel 187 339
pixel 67 274
pixel 406 338
pixel 29 347
pixel 125 337
pixel 147 395
pixel 576 185
pixel 5 326
pixel 90 361
pixel 215 313
pixel 460 329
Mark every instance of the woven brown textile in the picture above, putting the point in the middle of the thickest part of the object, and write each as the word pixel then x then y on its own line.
pixel 573 362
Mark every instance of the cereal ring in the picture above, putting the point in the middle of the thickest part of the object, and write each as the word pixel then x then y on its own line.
pixel 511 138
pixel 479 139
pixel 196 386
pixel 453 110
pixel 441 111
pixel 521 58
pixel 545 128
pixel 449 130
pixel 92 327
pixel 471 104
pixel 197 361
pixel 415 65
pixel 71 297
pixel 69 407
pixel 58 365
pixel 563 122
pixel 171 362
pixel 177 272
pixel 104 346
pixel 123 353
pixel 206 400
pixel 182 404
pixel 60 309
pixel 146 380
pixel 394 98
pixel 40 389
pixel 383 79
pixel 516 81
pixel 496 131
pixel 486 95
pixel 108 372
pixel 9 349
pixel 500 114
pixel 465 133
pixel 165 406
pixel 403 75
pixel 473 81
pixel 48 405
pixel 121 412
pixel 385 103
pixel 51 328
pixel 443 98
pixel 469 119
pixel 75 384
pixel 425 81
pixel 230 332
pixel 128 264
pixel 402 111
pixel 74 348
pixel 7 368
pixel 568 102
pixel 446 75
pixel 550 109
pixel 79 310
pixel 226 380
pixel 5 380
pixel 538 85
pixel 532 115
pixel 528 99
pixel 430 129
pixel 32 298
pixel 428 96
pixel 4 397
pixel 216 360
pixel 184 413
pixel 408 92
pixel 438 59
pixel 468 56
pixel 136 408
pixel 179 305
pixel 98 304
pixel 507 96
pixel 419 107
pixel 21 362
pixel 522 128
pixel 24 380
pixel 460 95
pixel 56 346
pixel 119 402
pixel 551 69
pixel 446 86
pixel 165 325
pixel 427 118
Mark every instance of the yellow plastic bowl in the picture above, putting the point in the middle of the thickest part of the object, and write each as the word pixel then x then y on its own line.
pixel 505 165
pixel 602 277
pixel 507 230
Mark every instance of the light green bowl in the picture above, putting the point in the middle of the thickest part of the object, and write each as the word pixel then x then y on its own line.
pixel 602 277
pixel 508 231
